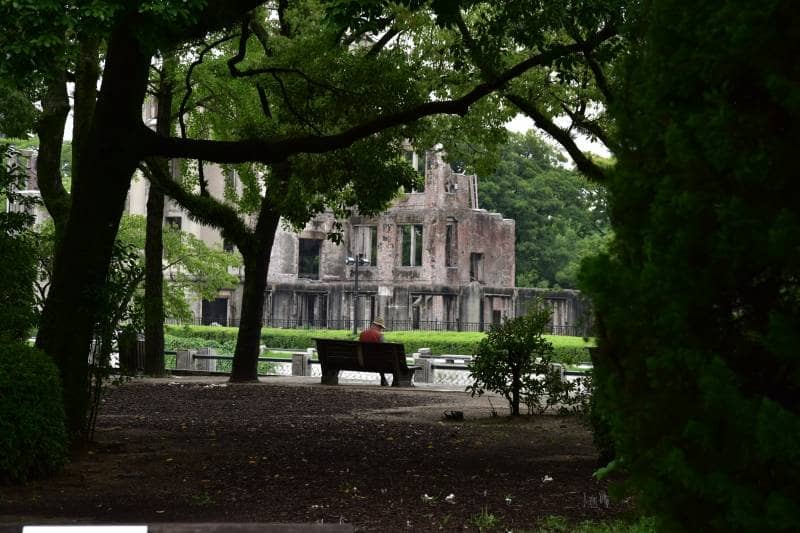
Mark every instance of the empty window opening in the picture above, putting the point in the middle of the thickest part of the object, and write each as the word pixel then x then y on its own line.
pixel 215 312
pixel 366 243
pixel 476 267
pixel 450 251
pixel 174 222
pixel 308 262
pixel 412 244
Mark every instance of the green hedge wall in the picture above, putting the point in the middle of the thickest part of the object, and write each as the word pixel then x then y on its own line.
pixel 568 350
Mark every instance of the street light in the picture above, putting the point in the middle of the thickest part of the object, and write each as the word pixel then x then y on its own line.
pixel 359 261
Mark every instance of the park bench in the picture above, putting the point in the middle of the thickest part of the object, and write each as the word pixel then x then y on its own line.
pixel 385 357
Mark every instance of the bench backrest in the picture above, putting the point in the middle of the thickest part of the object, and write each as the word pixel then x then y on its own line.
pixel 362 355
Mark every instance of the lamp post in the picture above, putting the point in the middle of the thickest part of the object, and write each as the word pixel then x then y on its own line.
pixel 359 260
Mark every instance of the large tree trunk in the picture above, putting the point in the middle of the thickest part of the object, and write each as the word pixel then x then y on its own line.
pixel 256 268
pixel 154 244
pixel 107 162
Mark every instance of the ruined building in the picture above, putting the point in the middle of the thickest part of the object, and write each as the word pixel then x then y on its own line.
pixel 433 260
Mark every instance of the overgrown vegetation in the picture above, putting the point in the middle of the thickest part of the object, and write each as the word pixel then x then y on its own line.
pixel 17 249
pixel 698 301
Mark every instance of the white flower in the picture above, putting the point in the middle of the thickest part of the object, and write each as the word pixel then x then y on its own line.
pixel 451 498
pixel 546 479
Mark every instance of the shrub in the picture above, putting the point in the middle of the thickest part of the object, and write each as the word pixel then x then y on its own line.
pixel 515 360
pixel 32 436
pixel 698 299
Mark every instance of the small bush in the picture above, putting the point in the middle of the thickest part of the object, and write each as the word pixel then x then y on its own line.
pixel 33 440
pixel 515 360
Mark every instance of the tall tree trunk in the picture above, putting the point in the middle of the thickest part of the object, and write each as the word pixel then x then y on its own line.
pixel 50 129
pixel 256 268
pixel 107 163
pixel 87 72
pixel 154 285
pixel 154 243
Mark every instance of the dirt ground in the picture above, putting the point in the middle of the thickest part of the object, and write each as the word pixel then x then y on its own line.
pixel 381 459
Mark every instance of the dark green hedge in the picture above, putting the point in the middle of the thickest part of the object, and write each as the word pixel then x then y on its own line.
pixel 33 441
pixel 698 299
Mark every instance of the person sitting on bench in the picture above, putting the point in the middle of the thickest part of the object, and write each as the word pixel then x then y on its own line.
pixel 374 333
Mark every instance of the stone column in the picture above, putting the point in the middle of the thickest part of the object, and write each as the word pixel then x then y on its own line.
pixel 184 359
pixel 206 365
pixel 301 364
pixel 425 373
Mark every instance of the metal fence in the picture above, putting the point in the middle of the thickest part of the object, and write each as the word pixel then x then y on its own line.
pixel 391 325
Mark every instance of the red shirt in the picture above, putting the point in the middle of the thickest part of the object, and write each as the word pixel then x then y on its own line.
pixel 371 334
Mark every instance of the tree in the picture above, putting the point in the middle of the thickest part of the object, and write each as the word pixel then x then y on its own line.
pixel 697 301
pixel 17 248
pixel 514 360
pixel 272 96
pixel 41 40
pixel 578 88
pixel 560 216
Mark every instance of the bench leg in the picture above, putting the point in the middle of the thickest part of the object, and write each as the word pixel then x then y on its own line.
pixel 330 376
pixel 403 379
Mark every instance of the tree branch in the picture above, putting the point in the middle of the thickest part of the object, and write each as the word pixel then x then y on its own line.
pixel 205 209
pixel 382 42
pixel 273 151
pixel 588 127
pixel 291 108
pixel 188 80
pixel 584 164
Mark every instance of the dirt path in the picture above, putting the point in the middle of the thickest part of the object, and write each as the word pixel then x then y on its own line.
pixel 200 450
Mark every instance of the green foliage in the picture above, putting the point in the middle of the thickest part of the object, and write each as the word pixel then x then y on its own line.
pixel 557 524
pixel 32 435
pixel 560 216
pixel 17 112
pixel 515 360
pixel 567 350
pixel 176 342
pixel 192 266
pixel 17 250
pixel 698 300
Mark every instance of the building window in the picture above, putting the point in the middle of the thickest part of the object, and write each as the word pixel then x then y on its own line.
pixel 215 312
pixel 308 263
pixel 412 244
pixel 313 310
pixel 365 242
pixel 174 222
pixel 450 245
pixel 417 162
pixel 476 267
